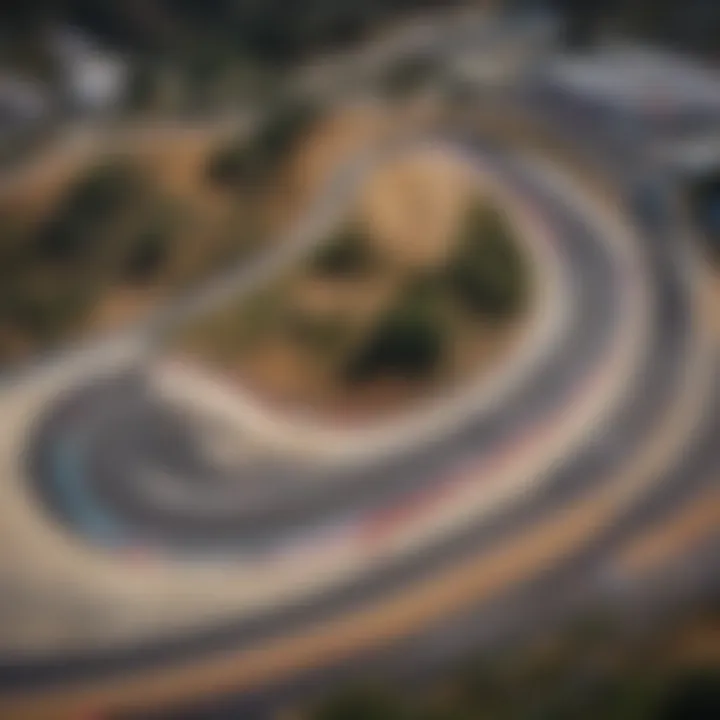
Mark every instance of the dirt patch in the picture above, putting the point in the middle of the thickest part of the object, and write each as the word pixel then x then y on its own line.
pixel 414 207
pixel 120 306
pixel 347 132
pixel 342 134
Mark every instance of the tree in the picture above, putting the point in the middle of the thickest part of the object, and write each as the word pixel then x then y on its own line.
pixel 486 272
pixel 347 253
pixel 583 21
pixel 362 704
pixel 407 341
pixel 229 165
pixel 147 255
pixel 693 697
pixel 284 124
pixel 92 203
pixel 409 75
pixel 243 162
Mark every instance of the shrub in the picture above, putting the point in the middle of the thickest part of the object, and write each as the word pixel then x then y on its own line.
pixel 244 161
pixel 487 273
pixel 282 127
pixel 93 203
pixel 363 703
pixel 409 74
pixel 147 255
pixel 695 694
pixel 347 253
pixel 229 165
pixel 47 311
pixel 407 341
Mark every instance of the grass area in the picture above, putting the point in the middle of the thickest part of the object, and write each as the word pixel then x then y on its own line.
pixel 362 325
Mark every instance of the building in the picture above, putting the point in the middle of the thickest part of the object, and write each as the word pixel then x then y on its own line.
pixel 666 91
pixel 94 80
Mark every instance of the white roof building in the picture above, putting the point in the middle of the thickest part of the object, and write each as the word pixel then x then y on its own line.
pixel 640 80
pixel 94 79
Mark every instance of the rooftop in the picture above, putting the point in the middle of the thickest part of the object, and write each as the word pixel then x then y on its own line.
pixel 638 78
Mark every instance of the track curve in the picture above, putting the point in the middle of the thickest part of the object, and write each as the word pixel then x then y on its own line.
pixel 89 457
pixel 288 506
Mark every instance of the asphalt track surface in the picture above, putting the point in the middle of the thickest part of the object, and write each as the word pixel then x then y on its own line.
pixel 117 431
pixel 253 524
pixel 572 588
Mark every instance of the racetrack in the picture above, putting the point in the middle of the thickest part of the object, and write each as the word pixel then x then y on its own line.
pixel 129 432
pixel 107 435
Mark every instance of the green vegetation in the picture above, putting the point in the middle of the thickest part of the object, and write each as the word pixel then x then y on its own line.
pixel 407 340
pixel 39 309
pixel 115 228
pixel 227 167
pixel 227 332
pixel 243 163
pixel 211 33
pixel 487 274
pixel 363 704
pixel 486 277
pixel 409 75
pixel 147 255
pixel 483 283
pixel 90 211
pixel 110 228
pixel 203 38
pixel 322 335
pixel 634 697
pixel 284 123
pixel 348 253
pixel 615 676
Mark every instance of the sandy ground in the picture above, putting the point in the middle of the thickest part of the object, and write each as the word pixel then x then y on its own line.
pixel 173 155
pixel 348 130
pixel 174 159
pixel 414 207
